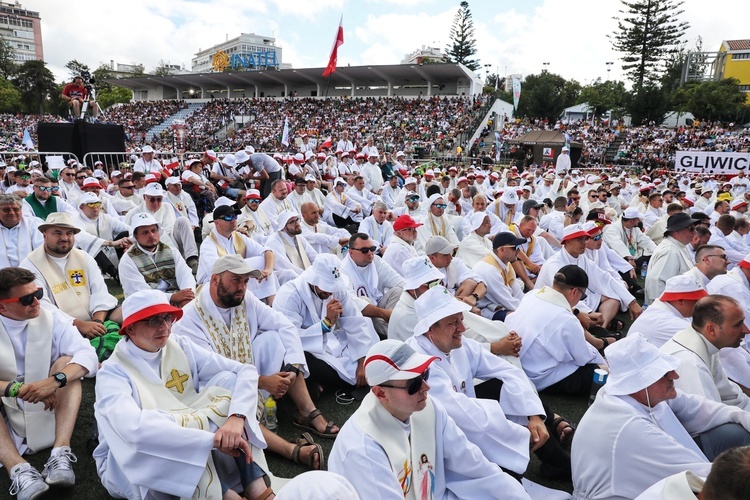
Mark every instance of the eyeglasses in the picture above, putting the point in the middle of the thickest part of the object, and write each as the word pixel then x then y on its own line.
pixel 597 237
pixel 79 177
pixel 433 283
pixel 94 205
pixel 156 321
pixel 253 201
pixel 127 187
pixel 44 189
pixel 25 300
pixel 722 256
pixel 154 199
pixel 55 189
pixel 365 250
pixel 228 218
pixel 412 386
pixel 69 174
pixel 440 205
pixel 583 294
pixel 413 198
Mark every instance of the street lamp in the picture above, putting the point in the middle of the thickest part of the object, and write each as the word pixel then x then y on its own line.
pixel 486 72
pixel 609 68
pixel 545 67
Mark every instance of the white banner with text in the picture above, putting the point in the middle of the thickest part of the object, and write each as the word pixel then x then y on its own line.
pixel 712 162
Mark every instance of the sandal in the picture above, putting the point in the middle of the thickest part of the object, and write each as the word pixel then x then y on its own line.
pixel 561 435
pixel 615 325
pixel 306 424
pixel 307 440
pixel 265 494
pixel 608 341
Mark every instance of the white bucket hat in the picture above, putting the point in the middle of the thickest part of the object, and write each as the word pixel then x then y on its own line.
pixel 143 219
pixel 325 273
pixel 435 304
pixel 476 219
pixel 153 189
pixel 509 197
pixel 419 271
pixel 635 364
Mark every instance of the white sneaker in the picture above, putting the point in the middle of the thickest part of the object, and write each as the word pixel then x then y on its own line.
pixel 26 482
pixel 58 470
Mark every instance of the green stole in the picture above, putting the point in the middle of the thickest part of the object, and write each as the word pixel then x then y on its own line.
pixel 42 211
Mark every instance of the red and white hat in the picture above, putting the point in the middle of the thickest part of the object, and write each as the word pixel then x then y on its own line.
pixel 574 231
pixel 683 287
pixel 738 203
pixel 144 304
pixel 321 156
pixel 405 222
pixel 494 175
pixel 253 194
pixel 745 263
pixel 394 360
pixel 91 182
pixel 298 158
pixel 690 201
pixel 210 153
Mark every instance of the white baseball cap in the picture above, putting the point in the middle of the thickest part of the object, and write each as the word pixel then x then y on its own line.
pixel 392 359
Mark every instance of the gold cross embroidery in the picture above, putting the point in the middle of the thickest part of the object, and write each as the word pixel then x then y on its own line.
pixel 176 381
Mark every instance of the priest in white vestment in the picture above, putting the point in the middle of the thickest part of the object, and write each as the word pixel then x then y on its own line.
pixel 174 419
pixel 401 444
pixel 42 360
pixel 291 249
pixel 476 245
pixel 18 233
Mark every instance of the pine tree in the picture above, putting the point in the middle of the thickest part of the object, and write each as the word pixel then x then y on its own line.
pixel 649 32
pixel 462 44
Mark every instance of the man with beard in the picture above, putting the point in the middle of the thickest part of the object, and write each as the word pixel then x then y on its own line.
pixel 41 203
pixel 252 333
pixel 105 237
pixel 152 264
pixel 291 249
pixel 70 278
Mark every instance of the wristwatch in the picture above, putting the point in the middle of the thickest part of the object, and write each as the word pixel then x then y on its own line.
pixel 475 295
pixel 238 415
pixel 60 378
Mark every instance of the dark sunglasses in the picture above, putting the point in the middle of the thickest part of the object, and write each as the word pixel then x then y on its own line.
pixel 365 250
pixel 154 199
pixel 440 205
pixel 81 177
pixel 26 300
pixel 412 387
pixel 127 187
pixel 413 198
pixel 44 189
pixel 597 237
pixel 253 201
pixel 228 218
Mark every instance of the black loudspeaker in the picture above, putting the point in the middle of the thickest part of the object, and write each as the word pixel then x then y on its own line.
pixel 80 138
pixel 55 137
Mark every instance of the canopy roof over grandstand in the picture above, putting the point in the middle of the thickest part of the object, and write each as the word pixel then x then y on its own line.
pixel 546 145
pixel 383 80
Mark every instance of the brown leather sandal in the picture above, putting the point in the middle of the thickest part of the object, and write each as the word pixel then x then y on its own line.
pixel 306 424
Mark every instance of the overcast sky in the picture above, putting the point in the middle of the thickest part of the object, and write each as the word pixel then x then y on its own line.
pixel 512 37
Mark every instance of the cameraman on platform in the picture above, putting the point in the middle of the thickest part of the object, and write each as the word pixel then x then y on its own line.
pixel 75 93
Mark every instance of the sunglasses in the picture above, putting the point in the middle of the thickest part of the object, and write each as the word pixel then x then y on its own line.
pixel 55 189
pixel 413 198
pixel 81 177
pixel 127 187
pixel 722 256
pixel 154 199
pixel 583 295
pixel 440 205
pixel 44 189
pixel 365 250
pixel 597 237
pixel 26 300
pixel 253 201
pixel 412 386
pixel 69 174
pixel 156 321
pixel 228 218
pixel 93 205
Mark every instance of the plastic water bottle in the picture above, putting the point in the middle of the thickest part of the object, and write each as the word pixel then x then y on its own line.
pixel 644 270
pixel 270 419
pixel 600 378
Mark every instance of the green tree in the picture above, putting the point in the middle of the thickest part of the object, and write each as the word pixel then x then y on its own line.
pixel 7 59
pixel 649 32
pixel 138 70
pixel 545 95
pixel 651 104
pixel 10 97
pixel 37 85
pixel 462 45
pixel 76 68
pixel 113 96
pixel 604 96
pixel 163 69
pixel 711 100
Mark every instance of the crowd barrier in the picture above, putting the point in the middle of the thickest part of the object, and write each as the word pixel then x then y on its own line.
pixel 9 157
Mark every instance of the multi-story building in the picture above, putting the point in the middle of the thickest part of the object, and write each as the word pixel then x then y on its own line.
pixel 247 51
pixel 22 29
pixel 426 55
pixel 736 60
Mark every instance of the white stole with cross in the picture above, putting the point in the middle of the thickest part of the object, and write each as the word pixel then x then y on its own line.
pixel 29 421
pixel 70 288
pixel 405 451
pixel 295 251
pixel 176 394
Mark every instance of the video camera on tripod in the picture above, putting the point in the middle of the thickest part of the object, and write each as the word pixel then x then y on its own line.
pixel 89 81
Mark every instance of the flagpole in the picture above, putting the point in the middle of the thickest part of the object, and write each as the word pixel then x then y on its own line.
pixel 332 61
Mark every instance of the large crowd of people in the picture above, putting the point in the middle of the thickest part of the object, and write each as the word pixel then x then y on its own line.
pixel 444 300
